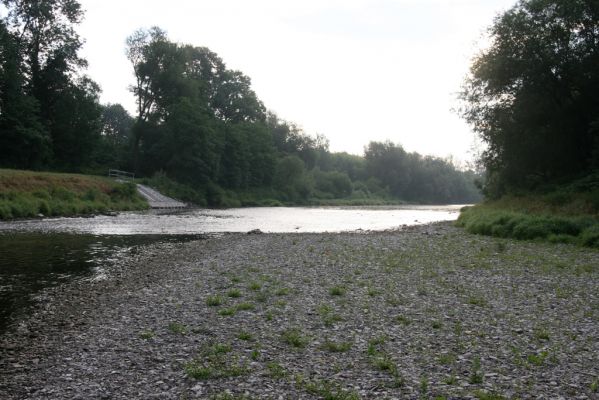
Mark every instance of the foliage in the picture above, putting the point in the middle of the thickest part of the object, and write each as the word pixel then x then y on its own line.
pixel 532 95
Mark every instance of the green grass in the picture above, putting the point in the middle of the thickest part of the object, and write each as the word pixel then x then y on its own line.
pixel 295 338
pixel 27 194
pixel 234 293
pixel 337 291
pixel 336 347
pixel 214 301
pixel 176 327
pixel 537 218
pixel 214 362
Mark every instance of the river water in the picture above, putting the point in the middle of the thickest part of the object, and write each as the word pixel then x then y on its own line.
pixel 36 254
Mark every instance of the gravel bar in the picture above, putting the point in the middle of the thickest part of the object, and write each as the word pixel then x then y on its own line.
pixel 420 312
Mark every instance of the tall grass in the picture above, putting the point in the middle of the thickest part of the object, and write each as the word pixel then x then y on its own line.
pixel 26 194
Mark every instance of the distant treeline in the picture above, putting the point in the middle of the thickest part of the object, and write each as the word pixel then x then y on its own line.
pixel 199 126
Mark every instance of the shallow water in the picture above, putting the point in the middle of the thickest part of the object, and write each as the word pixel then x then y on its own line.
pixel 36 254
pixel 267 219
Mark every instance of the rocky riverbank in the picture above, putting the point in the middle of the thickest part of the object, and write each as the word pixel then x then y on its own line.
pixel 428 311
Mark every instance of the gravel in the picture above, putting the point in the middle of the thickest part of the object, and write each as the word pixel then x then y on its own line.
pixel 428 311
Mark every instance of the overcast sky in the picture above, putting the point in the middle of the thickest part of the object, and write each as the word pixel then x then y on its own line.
pixel 353 70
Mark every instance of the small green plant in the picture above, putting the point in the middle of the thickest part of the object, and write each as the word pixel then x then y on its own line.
pixel 477 301
pixel 447 358
pixel 255 354
pixel 337 291
pixel 336 347
pixel 482 395
pixel 282 292
pixel 178 328
pixel 295 338
pixel 437 324
pixel 329 317
pixel 244 335
pixel 327 390
pixel 372 292
pixel 227 312
pixel 476 376
pixel 423 385
pixel 234 293
pixel 275 370
pixel 595 386
pixel 214 301
pixel 147 334
pixel 541 334
pixel 255 286
pixel 537 359
pixel 450 380
pixel 403 320
pixel 245 307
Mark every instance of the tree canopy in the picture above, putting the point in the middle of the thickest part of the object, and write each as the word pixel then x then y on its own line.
pixel 533 94
pixel 197 124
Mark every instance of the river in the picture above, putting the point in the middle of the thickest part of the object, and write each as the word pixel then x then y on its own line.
pixel 41 253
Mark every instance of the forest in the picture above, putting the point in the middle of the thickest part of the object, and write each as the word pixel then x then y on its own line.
pixel 199 130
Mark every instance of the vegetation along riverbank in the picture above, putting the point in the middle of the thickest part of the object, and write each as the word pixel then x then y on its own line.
pixel 429 311
pixel 27 194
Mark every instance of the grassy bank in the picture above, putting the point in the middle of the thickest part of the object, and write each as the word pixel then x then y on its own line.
pixel 561 216
pixel 26 194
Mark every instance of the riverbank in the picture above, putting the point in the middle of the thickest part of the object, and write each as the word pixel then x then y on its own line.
pixel 425 311
pixel 30 194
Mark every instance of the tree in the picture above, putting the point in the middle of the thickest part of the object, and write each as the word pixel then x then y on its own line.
pixel 24 142
pixel 533 95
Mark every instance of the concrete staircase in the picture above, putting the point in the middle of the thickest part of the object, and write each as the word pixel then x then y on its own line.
pixel 158 200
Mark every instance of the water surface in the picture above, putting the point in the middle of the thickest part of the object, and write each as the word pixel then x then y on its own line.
pixel 36 254
pixel 267 219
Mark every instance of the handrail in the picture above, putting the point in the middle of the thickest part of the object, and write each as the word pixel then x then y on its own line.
pixel 115 173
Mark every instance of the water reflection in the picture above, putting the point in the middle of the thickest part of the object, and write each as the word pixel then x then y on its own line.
pixel 267 219
pixel 30 262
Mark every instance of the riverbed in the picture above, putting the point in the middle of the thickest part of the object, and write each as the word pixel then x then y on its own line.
pixel 40 253
pixel 423 312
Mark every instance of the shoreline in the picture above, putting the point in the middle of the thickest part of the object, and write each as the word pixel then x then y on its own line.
pixel 427 310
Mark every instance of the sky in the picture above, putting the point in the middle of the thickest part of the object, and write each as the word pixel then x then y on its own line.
pixel 352 70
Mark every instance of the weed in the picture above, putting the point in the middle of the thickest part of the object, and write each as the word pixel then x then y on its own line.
pixel 402 319
pixel 329 317
pixel 262 297
pixel 372 292
pixel 280 303
pixel 476 376
pixel 214 301
pixel 482 395
pixel 268 316
pixel 537 359
pixel 255 286
pixel 336 347
pixel 147 334
pixel 227 312
pixel 327 390
pixel 447 358
pixel 337 291
pixel 275 370
pixel 234 293
pixel 295 338
pixel 245 307
pixel 178 328
pixel 436 324
pixel 450 380
pixel 595 386
pixel 282 292
pixel 541 334
pixel 255 354
pixel 423 385
pixel 244 335
pixel 477 301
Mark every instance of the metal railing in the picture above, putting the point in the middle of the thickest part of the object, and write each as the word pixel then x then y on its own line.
pixel 115 173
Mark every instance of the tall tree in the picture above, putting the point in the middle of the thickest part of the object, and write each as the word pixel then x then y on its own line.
pixel 533 95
